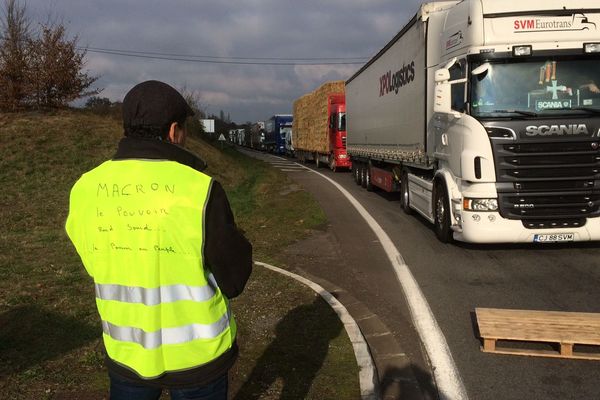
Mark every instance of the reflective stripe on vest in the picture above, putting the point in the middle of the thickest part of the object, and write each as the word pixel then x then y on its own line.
pixel 155 296
pixel 166 336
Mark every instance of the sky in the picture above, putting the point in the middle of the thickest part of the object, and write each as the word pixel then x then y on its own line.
pixel 268 31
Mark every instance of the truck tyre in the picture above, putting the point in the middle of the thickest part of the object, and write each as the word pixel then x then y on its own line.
pixel 368 185
pixel 356 172
pixel 332 163
pixel 317 162
pixel 363 175
pixel 405 194
pixel 441 212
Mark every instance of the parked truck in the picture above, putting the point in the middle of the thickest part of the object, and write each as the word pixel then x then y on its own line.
pixel 238 136
pixel 276 129
pixel 320 126
pixel 257 135
pixel 485 116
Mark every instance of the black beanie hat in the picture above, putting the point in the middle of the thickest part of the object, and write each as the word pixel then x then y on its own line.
pixel 154 104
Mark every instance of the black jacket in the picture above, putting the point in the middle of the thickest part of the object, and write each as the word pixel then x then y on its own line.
pixel 227 253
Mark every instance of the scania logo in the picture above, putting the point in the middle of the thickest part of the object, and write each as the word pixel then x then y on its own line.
pixel 557 130
pixel 524 205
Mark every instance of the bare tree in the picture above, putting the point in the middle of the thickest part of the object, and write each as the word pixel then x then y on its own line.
pixel 41 69
pixel 14 36
pixel 193 99
pixel 56 68
pixel 192 96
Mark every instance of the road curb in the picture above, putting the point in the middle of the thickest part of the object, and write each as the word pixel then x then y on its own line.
pixel 367 374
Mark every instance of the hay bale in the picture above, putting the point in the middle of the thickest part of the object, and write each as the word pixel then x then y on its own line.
pixel 310 123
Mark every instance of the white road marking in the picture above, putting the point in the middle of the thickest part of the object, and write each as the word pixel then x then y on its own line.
pixel 366 368
pixel 447 378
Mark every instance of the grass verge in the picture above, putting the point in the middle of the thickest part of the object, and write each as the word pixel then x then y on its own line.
pixel 49 330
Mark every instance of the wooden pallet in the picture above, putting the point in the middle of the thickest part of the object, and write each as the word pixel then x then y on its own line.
pixel 562 329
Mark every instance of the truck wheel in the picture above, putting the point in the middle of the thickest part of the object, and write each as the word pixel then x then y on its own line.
pixel 317 162
pixel 368 185
pixel 332 164
pixel 441 214
pixel 363 175
pixel 356 172
pixel 405 194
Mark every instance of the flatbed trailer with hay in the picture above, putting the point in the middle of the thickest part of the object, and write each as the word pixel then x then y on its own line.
pixel 320 127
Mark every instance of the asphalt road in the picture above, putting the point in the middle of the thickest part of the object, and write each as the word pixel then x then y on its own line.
pixel 457 278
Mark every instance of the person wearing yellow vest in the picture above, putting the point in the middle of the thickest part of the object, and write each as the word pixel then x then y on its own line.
pixel 158 237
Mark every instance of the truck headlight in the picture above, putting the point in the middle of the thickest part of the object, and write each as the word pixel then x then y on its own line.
pixel 521 51
pixel 589 48
pixel 480 204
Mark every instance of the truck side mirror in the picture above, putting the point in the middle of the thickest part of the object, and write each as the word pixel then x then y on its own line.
pixel 442 102
pixel 442 96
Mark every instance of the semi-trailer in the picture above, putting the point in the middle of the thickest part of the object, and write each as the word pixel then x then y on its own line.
pixel 485 116
pixel 320 126
pixel 276 129
pixel 238 136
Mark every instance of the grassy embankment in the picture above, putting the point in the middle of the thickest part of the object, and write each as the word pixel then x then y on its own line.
pixel 50 343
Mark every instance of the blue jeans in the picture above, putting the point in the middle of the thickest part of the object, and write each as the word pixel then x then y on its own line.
pixel 121 389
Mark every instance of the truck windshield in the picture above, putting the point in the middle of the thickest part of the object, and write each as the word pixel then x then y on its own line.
pixel 342 122
pixel 552 86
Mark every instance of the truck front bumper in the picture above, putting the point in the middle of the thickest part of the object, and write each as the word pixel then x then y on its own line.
pixel 342 160
pixel 490 227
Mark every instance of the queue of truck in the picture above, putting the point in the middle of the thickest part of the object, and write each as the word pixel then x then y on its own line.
pixel 483 115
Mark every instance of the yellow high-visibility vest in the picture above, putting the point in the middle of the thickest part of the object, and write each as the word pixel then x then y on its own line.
pixel 138 226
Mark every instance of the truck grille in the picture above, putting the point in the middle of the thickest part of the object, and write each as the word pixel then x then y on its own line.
pixel 548 185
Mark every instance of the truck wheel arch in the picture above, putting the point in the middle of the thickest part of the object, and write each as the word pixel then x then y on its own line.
pixel 442 214
pixel 405 192
pixel 448 181
pixel 443 179
pixel 332 163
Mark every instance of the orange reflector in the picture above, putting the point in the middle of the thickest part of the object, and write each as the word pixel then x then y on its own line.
pixel 466 204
